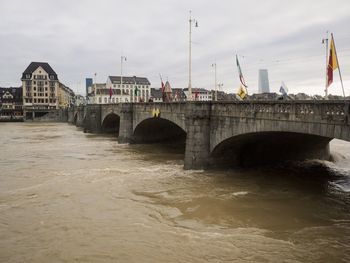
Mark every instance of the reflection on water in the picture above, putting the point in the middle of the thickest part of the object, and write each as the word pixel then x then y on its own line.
pixel 67 196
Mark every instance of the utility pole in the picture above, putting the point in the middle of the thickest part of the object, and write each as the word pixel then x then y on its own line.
pixel 190 57
pixel 325 41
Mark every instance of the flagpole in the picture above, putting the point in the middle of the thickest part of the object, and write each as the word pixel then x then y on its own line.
pixel 336 55
pixel 325 40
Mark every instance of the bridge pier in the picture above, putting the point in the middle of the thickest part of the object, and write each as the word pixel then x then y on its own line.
pixel 71 115
pixel 92 121
pixel 198 136
pixel 126 123
pixel 80 116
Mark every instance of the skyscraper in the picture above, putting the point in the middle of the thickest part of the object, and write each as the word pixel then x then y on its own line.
pixel 264 86
pixel 88 84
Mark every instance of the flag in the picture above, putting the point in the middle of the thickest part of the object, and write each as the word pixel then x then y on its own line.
pixel 196 93
pixel 110 92
pixel 240 73
pixel 332 62
pixel 241 92
pixel 283 89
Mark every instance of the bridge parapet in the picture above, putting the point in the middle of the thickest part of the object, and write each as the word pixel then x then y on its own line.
pixel 312 111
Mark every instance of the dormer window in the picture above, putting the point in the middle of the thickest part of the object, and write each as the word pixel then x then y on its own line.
pixel 27 76
pixel 52 77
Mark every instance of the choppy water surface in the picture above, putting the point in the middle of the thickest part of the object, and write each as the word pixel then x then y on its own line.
pixel 66 196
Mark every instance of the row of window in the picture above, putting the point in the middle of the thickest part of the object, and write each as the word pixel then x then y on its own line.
pixel 117 100
pixel 40 88
pixel 40 100
pixel 40 94
pixel 40 76
pixel 15 113
pixel 130 86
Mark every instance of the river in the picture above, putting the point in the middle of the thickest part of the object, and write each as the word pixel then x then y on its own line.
pixel 69 196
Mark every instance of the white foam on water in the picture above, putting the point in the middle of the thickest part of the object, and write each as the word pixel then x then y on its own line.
pixel 240 193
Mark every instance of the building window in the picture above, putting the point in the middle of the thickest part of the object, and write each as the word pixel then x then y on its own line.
pixel 27 76
pixel 114 85
pixel 105 100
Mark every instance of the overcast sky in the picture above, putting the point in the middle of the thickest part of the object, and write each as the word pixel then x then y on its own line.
pixel 78 38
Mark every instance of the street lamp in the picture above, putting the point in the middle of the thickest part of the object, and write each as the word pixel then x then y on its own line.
pixel 216 85
pixel 220 86
pixel 325 41
pixel 190 56
pixel 122 58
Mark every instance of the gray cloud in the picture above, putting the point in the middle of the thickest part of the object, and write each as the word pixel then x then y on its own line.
pixel 79 38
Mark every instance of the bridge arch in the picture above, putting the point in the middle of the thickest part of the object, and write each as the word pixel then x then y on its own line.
pixel 111 123
pixel 157 130
pixel 269 147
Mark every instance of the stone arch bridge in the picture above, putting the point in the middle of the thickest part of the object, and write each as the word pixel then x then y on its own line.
pixel 225 133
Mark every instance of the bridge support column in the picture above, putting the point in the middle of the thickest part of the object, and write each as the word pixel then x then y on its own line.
pixel 80 116
pixel 126 123
pixel 92 121
pixel 198 135
pixel 71 115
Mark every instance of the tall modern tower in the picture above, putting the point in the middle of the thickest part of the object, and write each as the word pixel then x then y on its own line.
pixel 264 86
pixel 88 83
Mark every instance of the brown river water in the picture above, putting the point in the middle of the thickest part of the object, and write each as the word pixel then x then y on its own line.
pixel 68 196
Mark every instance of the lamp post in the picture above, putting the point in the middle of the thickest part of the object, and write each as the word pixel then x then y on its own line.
pixel 216 85
pixel 122 58
pixel 220 86
pixel 190 56
pixel 325 41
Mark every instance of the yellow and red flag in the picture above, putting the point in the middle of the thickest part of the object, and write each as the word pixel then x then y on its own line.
pixel 332 63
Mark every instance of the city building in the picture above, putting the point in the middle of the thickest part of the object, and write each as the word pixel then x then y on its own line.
pixel 128 89
pixel 168 92
pixel 199 94
pixel 11 104
pixel 264 86
pixel 65 96
pixel 178 95
pixel 98 94
pixel 156 95
pixel 79 100
pixel 42 91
